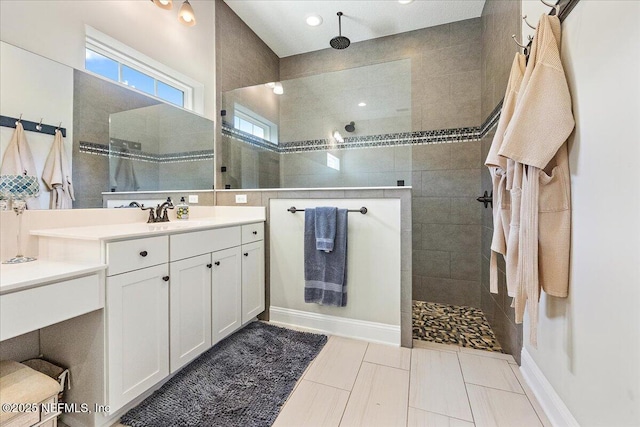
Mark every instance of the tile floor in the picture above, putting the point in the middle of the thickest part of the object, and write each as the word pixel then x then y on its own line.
pixel 453 324
pixel 354 383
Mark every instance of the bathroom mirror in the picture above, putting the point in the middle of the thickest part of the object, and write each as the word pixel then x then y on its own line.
pixel 118 139
pixel 348 128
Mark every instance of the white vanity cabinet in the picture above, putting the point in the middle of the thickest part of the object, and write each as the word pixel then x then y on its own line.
pixel 171 292
pixel 137 317
pixel 226 292
pixel 253 297
pixel 189 309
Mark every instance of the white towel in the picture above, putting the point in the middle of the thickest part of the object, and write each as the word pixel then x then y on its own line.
pixel 18 160
pixel 57 175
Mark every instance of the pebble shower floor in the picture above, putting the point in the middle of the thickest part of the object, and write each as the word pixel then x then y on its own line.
pixel 452 324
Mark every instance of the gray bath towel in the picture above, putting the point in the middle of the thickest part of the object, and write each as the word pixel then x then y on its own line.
pixel 325 228
pixel 325 273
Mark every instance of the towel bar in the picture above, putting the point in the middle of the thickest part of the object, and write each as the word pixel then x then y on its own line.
pixel 362 210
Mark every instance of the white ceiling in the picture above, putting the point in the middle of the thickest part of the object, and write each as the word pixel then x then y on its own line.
pixel 282 26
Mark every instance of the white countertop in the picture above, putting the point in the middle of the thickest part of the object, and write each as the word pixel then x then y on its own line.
pixel 17 277
pixel 132 230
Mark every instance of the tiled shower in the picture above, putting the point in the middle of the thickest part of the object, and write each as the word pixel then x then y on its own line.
pixel 456 78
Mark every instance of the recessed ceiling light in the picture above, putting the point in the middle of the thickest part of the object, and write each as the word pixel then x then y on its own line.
pixel 314 20
pixel 362 104
pixel 404 1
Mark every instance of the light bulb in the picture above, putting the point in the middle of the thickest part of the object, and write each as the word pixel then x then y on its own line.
pixel 186 14
pixel 314 20
pixel 362 104
pixel 163 4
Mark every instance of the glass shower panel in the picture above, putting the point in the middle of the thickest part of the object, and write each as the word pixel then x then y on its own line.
pixel 349 128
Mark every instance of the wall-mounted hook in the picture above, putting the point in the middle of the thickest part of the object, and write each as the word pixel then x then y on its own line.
pixel 524 18
pixel 39 125
pixel 19 120
pixel 523 46
pixel 555 6
pixel 59 126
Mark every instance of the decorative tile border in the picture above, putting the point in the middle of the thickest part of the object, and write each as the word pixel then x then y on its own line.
pixel 443 136
pixel 103 150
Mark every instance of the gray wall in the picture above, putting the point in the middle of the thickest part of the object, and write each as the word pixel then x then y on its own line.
pixel 446 90
pixel 500 19
pixel 242 59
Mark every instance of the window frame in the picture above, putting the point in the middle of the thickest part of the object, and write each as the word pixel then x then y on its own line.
pixel 270 129
pixel 124 55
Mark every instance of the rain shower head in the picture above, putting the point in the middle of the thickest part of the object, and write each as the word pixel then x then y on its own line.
pixel 340 42
pixel 350 127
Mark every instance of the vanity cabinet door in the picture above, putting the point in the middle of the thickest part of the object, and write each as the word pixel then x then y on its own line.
pixel 189 309
pixel 138 332
pixel 252 280
pixel 226 292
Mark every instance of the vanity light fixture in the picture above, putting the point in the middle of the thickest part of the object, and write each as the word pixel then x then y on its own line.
pixel 276 87
pixel 186 14
pixel 405 1
pixel 314 20
pixel 163 4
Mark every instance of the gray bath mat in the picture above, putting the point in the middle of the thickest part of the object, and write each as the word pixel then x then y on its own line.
pixel 242 381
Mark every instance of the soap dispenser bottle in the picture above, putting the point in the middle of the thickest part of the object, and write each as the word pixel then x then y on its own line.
pixel 182 209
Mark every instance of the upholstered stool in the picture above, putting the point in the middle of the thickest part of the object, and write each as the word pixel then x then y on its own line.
pixel 22 391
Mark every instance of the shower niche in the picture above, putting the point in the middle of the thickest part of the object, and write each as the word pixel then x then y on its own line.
pixel 349 128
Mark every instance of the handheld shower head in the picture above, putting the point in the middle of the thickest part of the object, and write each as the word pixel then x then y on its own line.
pixel 339 42
pixel 350 127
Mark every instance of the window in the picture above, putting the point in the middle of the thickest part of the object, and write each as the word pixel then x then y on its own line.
pixel 250 122
pixel 333 162
pixel 115 61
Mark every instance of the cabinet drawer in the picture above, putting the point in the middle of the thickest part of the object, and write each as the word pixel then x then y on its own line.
pixel 252 232
pixel 135 254
pixel 32 309
pixel 187 245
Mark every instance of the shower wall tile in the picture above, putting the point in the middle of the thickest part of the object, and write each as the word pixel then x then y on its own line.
pixel 448 291
pixel 432 263
pixel 431 210
pixel 465 210
pixel 465 265
pixel 458 183
pixel 450 237
pixel 466 155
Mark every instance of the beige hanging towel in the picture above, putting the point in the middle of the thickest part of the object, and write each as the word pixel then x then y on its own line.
pixel 18 160
pixel 536 141
pixel 498 166
pixel 57 175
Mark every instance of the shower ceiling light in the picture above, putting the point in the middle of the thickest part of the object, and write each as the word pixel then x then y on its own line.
pixel 163 4
pixel 278 89
pixel 314 20
pixel 186 15
pixel 362 104
pixel 405 1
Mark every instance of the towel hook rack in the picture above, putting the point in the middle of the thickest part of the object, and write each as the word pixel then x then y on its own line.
pixel 555 6
pixel 39 125
pixel 19 120
pixel 363 210
pixel 523 46
pixel 524 18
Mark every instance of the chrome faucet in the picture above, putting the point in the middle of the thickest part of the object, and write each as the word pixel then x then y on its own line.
pixel 161 211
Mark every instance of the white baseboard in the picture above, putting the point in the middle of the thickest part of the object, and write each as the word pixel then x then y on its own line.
pixel 333 325
pixel 553 406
